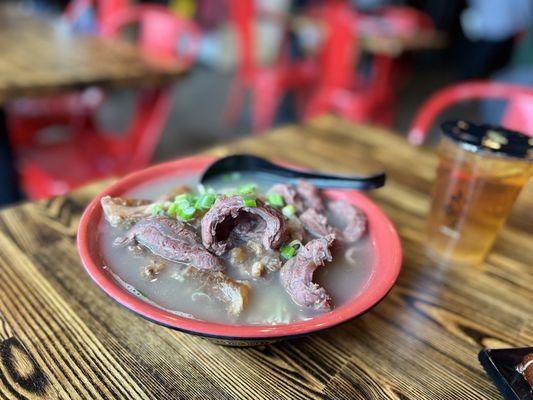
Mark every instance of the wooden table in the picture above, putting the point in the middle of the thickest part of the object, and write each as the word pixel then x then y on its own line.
pixel 39 57
pixel 61 336
pixel 381 43
pixel 392 46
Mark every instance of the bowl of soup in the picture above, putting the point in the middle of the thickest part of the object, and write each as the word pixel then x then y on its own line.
pixel 244 261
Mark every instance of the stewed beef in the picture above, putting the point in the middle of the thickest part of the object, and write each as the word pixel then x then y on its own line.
pixel 124 212
pixel 232 293
pixel 172 240
pixel 316 223
pixel 296 275
pixel 302 196
pixel 310 195
pixel 229 220
pixel 354 221
pixel 288 192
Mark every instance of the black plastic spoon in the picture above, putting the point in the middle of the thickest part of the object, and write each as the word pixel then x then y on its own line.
pixel 278 174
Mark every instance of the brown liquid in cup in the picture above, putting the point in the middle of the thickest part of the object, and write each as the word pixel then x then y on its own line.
pixel 472 197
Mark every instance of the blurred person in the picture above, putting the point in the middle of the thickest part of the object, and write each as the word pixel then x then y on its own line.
pixel 489 28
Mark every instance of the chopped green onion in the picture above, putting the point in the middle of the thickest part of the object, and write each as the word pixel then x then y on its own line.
pixel 249 201
pixel 184 197
pixel 275 200
pixel 186 212
pixel 157 209
pixel 205 202
pixel 288 210
pixel 247 189
pixel 287 252
pixel 172 210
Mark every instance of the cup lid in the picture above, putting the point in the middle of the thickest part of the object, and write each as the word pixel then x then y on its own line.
pixel 489 138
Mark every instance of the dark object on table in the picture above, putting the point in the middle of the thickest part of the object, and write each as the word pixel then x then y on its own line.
pixel 501 366
pixel 279 174
pixel 526 368
pixel 9 190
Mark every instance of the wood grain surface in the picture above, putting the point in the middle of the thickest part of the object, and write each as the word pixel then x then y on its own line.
pixel 382 42
pixel 62 337
pixel 40 56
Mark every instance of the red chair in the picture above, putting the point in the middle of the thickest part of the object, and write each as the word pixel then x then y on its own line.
pixel 387 74
pixel 518 113
pixel 27 117
pixel 339 88
pixel 89 153
pixel 266 84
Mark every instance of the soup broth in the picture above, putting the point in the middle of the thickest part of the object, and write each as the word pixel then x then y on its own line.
pixel 269 303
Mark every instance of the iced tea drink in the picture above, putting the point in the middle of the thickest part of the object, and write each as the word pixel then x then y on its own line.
pixel 481 172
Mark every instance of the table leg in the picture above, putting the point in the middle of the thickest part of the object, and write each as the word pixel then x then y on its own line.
pixel 9 188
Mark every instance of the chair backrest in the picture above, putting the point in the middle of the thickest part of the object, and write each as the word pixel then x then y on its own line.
pixel 516 117
pixel 242 15
pixel 339 54
pixel 162 34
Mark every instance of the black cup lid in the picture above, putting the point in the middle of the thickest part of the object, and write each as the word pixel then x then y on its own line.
pixel 489 138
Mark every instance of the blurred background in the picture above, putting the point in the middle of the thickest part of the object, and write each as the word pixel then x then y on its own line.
pixel 257 64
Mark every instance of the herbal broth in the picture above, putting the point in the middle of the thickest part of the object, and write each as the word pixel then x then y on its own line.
pixel 343 278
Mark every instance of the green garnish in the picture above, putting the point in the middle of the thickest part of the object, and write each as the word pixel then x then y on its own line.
pixel 184 197
pixel 287 252
pixel 275 200
pixel 186 212
pixel 247 189
pixel 205 202
pixel 157 209
pixel 172 210
pixel 288 211
pixel 183 206
pixel 249 201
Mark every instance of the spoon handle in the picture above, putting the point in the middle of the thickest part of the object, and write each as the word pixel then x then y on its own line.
pixel 277 173
pixel 336 182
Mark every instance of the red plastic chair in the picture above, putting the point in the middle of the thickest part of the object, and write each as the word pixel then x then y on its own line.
pixel 266 84
pixel 339 88
pixel 89 153
pixel 388 76
pixel 518 113
pixel 27 117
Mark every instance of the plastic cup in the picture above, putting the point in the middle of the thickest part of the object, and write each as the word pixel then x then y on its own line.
pixel 481 171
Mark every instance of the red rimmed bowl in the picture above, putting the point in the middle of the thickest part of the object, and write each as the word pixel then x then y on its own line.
pixel 383 236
